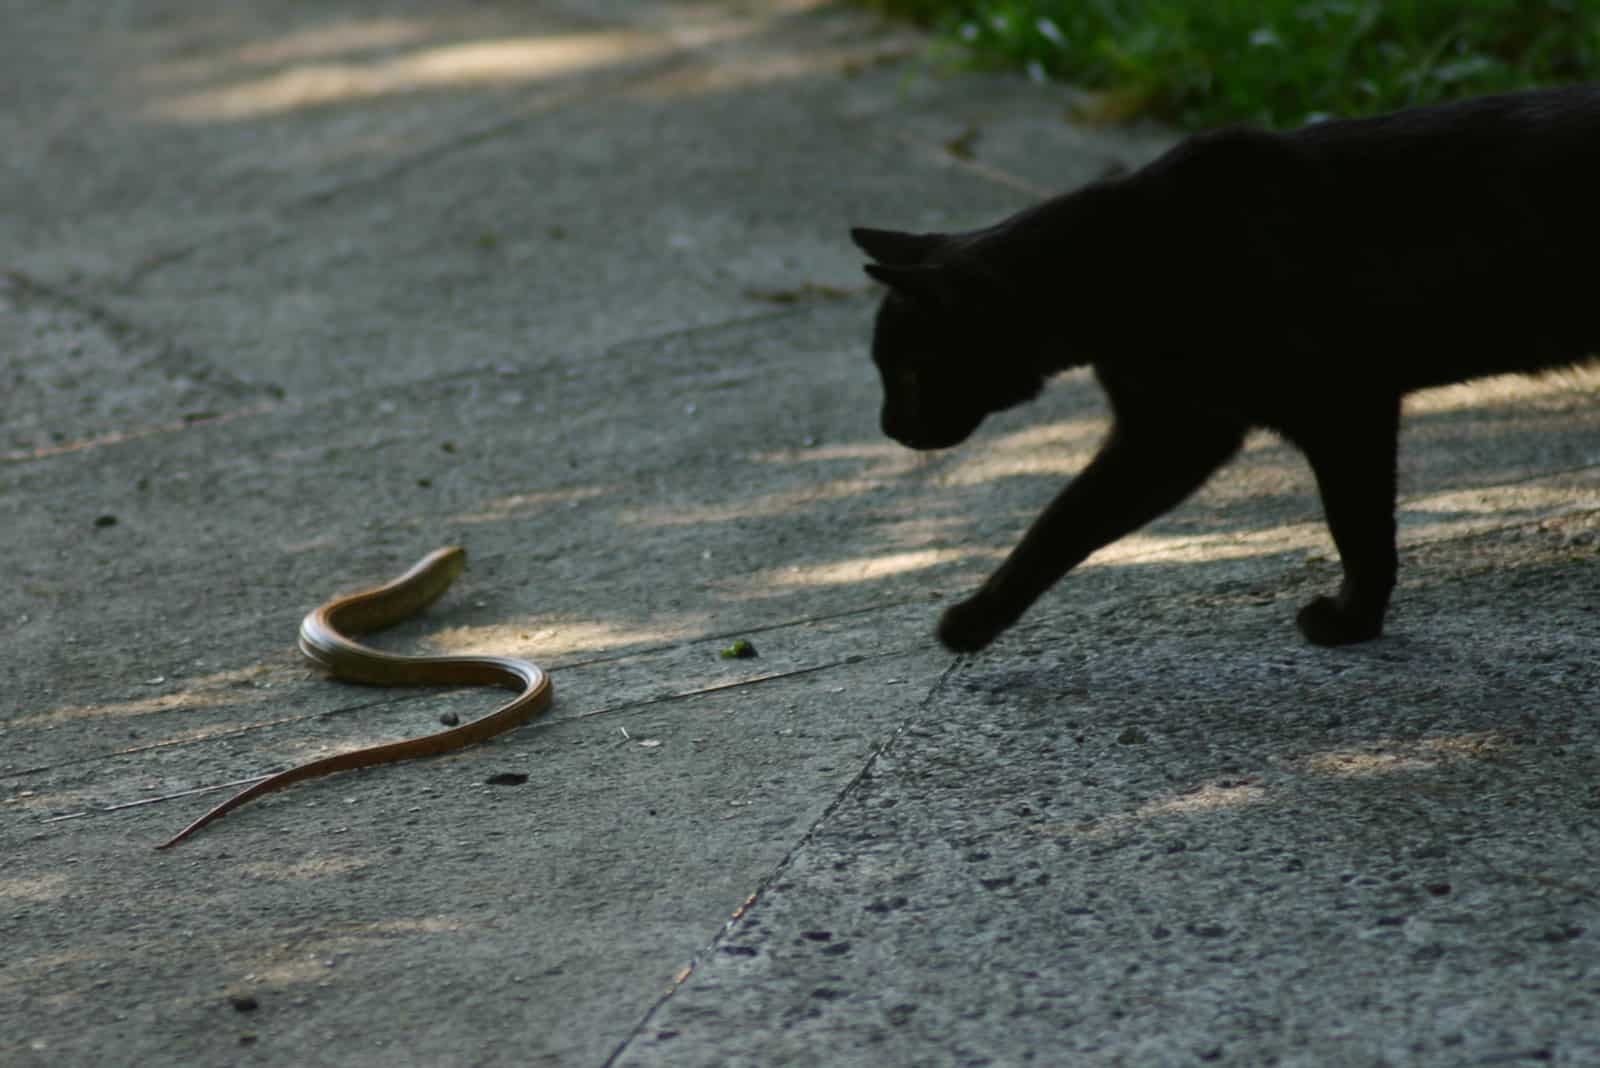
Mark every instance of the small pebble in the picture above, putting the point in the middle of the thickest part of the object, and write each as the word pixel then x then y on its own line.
pixel 506 778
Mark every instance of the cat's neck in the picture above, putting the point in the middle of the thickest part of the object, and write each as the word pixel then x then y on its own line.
pixel 1067 276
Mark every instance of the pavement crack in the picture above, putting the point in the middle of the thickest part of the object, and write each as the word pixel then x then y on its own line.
pixel 683 974
pixel 759 628
pixel 167 355
pixel 755 680
pixel 135 351
pixel 231 732
pixel 120 437
pixel 151 264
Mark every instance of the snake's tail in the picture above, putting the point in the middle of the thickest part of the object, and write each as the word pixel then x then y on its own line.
pixel 250 793
pixel 534 698
pixel 221 810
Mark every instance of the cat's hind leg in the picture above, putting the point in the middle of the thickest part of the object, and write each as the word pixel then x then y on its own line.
pixel 1354 463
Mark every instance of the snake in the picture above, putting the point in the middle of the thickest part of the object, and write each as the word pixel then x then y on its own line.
pixel 325 639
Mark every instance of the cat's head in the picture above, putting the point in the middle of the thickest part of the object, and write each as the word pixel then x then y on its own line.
pixel 950 344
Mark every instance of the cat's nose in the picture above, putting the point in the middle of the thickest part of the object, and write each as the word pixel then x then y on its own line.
pixel 898 429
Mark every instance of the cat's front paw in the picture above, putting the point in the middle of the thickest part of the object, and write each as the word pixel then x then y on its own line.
pixel 1325 621
pixel 969 625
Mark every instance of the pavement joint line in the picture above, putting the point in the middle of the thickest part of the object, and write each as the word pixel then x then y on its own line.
pixel 733 684
pixel 118 327
pixel 553 666
pixel 540 724
pixel 248 728
pixel 152 263
pixel 333 398
pixel 162 797
pixel 685 973
pixel 740 632
pixel 119 437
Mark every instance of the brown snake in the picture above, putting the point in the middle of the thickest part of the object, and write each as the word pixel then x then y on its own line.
pixel 323 638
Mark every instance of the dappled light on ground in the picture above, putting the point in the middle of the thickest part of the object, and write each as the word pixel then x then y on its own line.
pixel 864 568
pixel 1207 798
pixel 515 505
pixel 1388 756
pixel 31 971
pixel 1144 547
pixel 1490 507
pixel 866 468
pixel 1200 801
pixel 346 38
pixel 1059 449
pixel 361 60
pixel 313 867
pixel 853 450
pixel 482 63
pixel 766 506
pixel 34 889
pixel 309 960
pixel 743 73
pixel 1503 389
pixel 541 639
pixel 236 687
pixel 1378 758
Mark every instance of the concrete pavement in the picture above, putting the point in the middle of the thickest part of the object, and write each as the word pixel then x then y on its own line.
pixel 294 293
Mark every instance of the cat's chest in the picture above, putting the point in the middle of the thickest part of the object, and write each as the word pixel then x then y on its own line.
pixel 1271 389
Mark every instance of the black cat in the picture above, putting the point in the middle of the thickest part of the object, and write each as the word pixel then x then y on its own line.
pixel 1303 282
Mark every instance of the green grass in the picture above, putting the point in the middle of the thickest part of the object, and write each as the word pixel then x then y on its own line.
pixel 1278 63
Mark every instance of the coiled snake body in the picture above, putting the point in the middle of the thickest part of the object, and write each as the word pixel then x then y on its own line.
pixel 324 638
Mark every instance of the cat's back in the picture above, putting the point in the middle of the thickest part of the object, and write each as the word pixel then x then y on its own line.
pixel 1466 230
pixel 1437 243
pixel 1545 134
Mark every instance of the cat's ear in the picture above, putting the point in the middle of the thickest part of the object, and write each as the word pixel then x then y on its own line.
pixel 893 247
pixel 924 285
